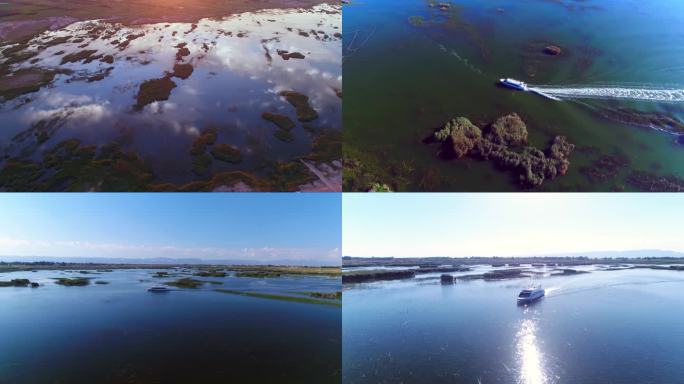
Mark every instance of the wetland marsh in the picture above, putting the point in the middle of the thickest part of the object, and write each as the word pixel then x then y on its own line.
pixel 112 330
pixel 240 102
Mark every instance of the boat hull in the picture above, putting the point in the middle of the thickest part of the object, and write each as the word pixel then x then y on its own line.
pixel 527 300
pixel 512 85
pixel 153 290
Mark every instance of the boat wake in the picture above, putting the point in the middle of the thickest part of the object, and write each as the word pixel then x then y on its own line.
pixel 562 291
pixel 641 94
pixel 460 58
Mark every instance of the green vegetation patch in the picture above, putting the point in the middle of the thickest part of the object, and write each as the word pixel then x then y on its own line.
pixel 326 146
pixel 301 103
pixel 282 121
pixel 182 71
pixel 17 283
pixel 362 276
pixel 364 172
pixel 309 300
pixel 69 166
pixel 323 295
pixel 227 153
pixel 85 55
pixel 154 90
pixel 201 160
pixel 504 143
pixel 72 282
pixel 185 283
pixel 288 270
pixel 200 144
pixel 211 273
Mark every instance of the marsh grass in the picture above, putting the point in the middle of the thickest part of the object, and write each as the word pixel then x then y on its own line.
pixel 309 300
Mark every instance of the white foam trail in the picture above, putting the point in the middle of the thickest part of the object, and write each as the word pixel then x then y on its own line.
pixel 644 94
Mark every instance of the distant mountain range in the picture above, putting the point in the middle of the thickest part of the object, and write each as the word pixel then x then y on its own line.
pixel 162 260
pixel 632 254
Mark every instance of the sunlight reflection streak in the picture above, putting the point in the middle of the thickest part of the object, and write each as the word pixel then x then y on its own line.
pixel 529 356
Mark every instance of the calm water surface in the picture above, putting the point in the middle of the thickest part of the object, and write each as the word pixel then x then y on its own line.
pixel 601 327
pixel 120 333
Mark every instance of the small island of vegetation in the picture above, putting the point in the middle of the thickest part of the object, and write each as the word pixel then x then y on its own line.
pixel 72 282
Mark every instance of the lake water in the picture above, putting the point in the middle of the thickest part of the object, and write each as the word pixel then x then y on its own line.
pixel 121 333
pixel 236 73
pixel 601 327
pixel 405 77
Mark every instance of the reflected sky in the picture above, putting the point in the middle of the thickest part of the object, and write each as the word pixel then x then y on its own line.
pixel 237 75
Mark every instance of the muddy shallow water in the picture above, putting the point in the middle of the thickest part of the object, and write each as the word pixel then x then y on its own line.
pixel 168 94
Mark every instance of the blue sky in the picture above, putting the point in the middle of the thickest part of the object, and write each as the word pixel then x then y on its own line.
pixel 254 226
pixel 459 224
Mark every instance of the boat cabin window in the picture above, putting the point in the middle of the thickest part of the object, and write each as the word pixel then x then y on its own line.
pixel 525 294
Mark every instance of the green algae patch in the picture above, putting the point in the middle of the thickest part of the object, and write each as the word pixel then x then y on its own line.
pixel 282 121
pixel 301 103
pixel 154 90
pixel 270 296
pixel 227 153
pixel 185 283
pixel 72 282
pixel 182 71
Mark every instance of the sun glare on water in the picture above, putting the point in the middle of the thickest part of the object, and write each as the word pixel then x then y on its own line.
pixel 529 356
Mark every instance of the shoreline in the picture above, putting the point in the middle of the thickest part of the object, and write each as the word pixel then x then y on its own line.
pixel 328 271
